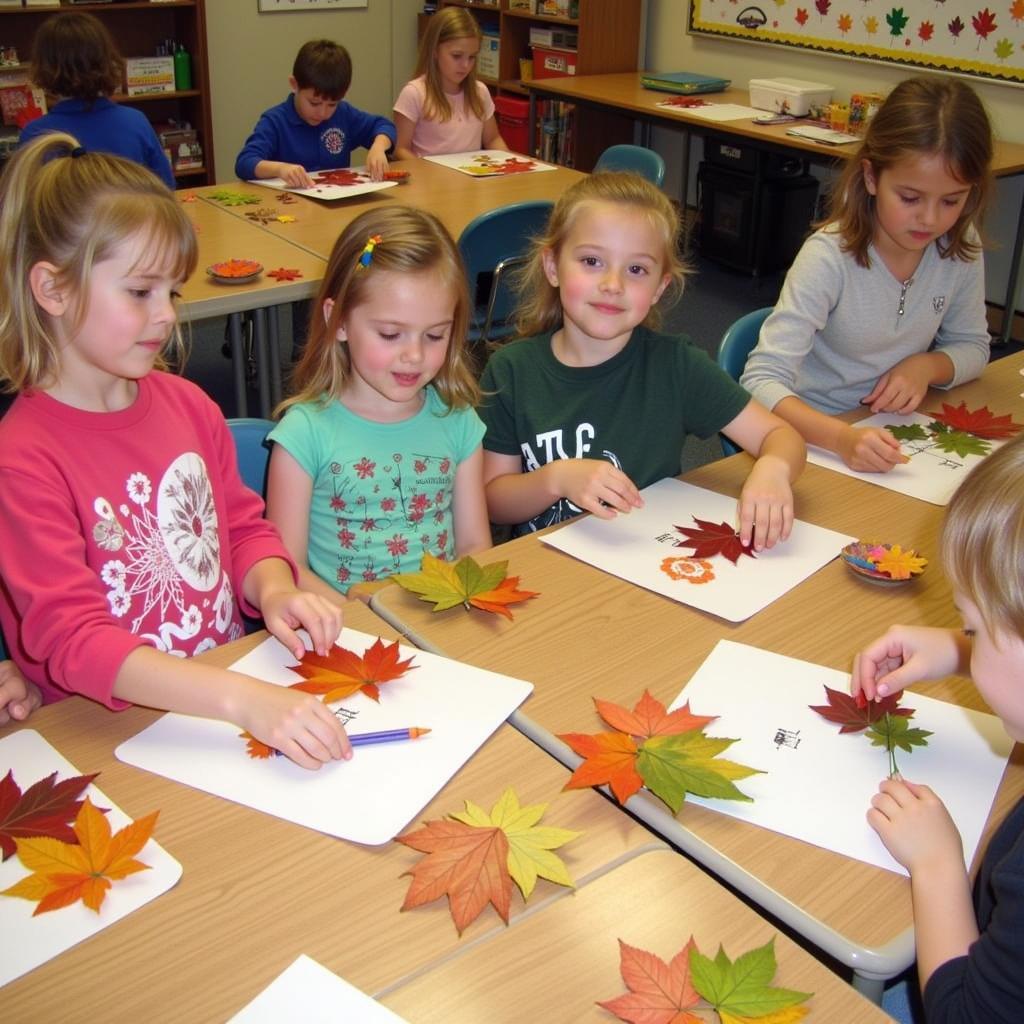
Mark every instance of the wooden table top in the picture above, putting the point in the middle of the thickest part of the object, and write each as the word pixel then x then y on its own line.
pixel 590 634
pixel 565 957
pixel 623 91
pixel 257 891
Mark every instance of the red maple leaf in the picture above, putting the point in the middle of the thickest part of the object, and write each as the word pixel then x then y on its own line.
pixel 342 671
pixel 284 274
pixel 979 422
pixel 708 539
pixel 659 993
pixel 516 166
pixel 984 23
pixel 925 30
pixel 856 714
pixel 46 808
pixel 822 6
pixel 649 717
pixel 801 16
pixel 339 177
pixel 955 27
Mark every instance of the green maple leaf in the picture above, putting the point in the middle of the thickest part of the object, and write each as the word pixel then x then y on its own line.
pixel 907 432
pixel 740 988
pixel 958 442
pixel 672 766
pixel 895 731
pixel 229 198
pixel 897 21
pixel 1004 48
pixel 487 587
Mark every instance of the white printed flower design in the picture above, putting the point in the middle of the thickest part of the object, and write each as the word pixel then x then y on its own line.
pixel 120 602
pixel 188 521
pixel 115 575
pixel 139 488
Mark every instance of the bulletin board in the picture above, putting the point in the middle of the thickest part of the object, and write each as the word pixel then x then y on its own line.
pixel 967 37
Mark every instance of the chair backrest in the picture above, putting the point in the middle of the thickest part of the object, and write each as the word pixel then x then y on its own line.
pixel 253 452
pixel 633 158
pixel 736 344
pixel 486 241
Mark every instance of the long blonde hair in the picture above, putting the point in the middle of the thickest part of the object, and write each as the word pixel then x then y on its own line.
pixel 444 26
pixel 541 305
pixel 62 205
pixel 411 242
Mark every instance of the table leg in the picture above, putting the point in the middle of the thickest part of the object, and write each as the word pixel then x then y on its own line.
pixel 238 361
pixel 869 988
pixel 1010 305
pixel 259 344
pixel 531 126
pixel 273 342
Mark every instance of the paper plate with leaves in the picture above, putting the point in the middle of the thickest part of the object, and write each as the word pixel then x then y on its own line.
pixel 235 271
pixel 884 564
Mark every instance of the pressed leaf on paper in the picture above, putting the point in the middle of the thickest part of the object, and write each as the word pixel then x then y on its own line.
pixel 659 992
pixel 979 422
pixel 64 873
pixel 46 808
pixel 895 731
pixel 958 442
pixel 708 539
pixel 856 715
pixel 342 672
pixel 487 587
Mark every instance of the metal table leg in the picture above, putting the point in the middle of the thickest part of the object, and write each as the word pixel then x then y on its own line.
pixel 1010 306
pixel 238 361
pixel 259 344
pixel 273 342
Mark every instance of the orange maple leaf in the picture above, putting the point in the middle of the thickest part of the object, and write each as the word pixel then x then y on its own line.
pixel 466 863
pixel 658 992
pixel 257 748
pixel 64 873
pixel 342 672
pixel 610 758
pixel 504 594
pixel 979 422
pixel 649 717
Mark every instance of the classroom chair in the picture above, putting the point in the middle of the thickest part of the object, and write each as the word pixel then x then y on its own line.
pixel 734 348
pixel 492 245
pixel 250 436
pixel 644 162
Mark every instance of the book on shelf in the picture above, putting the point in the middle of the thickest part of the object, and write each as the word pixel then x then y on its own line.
pixel 557 132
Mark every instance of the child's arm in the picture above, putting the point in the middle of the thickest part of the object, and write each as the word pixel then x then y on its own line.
pixel 377 157
pixel 404 129
pixel 593 485
pixel 258 157
pixel 902 388
pixel 19 697
pixel 294 175
pixel 469 507
pixel 289 496
pixel 492 135
pixel 766 501
pixel 917 830
pixel 905 655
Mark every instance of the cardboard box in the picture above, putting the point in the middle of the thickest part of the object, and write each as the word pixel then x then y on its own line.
pixel 554 8
pixel 522 5
pixel 553 63
pixel 488 59
pixel 144 75
pixel 788 95
pixel 554 38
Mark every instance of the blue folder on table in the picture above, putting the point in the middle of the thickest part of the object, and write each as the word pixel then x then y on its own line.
pixel 684 82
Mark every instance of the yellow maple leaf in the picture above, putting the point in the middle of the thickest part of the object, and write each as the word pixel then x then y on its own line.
pixel 899 564
pixel 871 24
pixel 64 873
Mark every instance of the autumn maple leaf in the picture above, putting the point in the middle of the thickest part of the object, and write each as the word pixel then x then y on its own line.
pixel 955 27
pixel 822 6
pixel 1017 10
pixel 801 16
pixel 659 992
pixel 342 672
pixel 649 717
pixel 341 176
pixel 487 587
pixel 984 23
pixel 897 21
pixel 46 808
pixel 708 539
pixel 64 873
pixel 856 715
pixel 284 273
pixel 925 31
pixel 979 422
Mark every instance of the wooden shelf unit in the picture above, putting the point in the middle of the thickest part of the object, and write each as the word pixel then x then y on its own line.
pixel 138 27
pixel 609 39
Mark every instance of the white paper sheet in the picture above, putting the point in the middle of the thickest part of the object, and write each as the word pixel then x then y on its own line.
pixel 819 783
pixel 639 547
pixel 364 185
pixel 715 111
pixel 931 475
pixel 27 941
pixel 368 799
pixel 308 992
pixel 486 163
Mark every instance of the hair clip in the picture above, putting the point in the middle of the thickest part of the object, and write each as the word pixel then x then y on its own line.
pixel 366 256
pixel 77 152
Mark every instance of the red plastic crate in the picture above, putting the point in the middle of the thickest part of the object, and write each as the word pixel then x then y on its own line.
pixel 553 63
pixel 513 115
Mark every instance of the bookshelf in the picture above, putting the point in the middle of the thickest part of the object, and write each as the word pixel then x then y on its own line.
pixel 138 26
pixel 608 39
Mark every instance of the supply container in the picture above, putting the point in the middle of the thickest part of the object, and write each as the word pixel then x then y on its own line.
pixel 513 116
pixel 553 63
pixel 788 95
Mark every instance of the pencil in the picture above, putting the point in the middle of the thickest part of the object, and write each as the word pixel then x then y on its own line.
pixel 360 739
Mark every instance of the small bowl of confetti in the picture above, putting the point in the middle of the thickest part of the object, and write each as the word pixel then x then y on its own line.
pixel 884 564
pixel 235 271
pixel 403 177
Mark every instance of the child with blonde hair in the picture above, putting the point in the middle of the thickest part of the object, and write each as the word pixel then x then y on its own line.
pixel 377 459
pixel 446 108
pixel 887 298
pixel 969 947
pixel 127 539
pixel 594 404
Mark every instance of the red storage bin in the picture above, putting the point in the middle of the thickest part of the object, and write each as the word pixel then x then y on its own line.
pixel 553 63
pixel 513 116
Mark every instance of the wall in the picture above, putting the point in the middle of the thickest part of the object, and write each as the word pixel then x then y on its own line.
pixel 251 56
pixel 671 48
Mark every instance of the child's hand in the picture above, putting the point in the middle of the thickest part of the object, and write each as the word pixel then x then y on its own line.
pixel 298 724
pixel 18 697
pixel 766 504
pixel 295 176
pixel 284 611
pixel 377 160
pixel 595 486
pixel 914 825
pixel 902 389
pixel 905 655
pixel 870 449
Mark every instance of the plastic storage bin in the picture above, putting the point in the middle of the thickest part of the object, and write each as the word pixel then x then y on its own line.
pixel 513 116
pixel 788 95
pixel 553 63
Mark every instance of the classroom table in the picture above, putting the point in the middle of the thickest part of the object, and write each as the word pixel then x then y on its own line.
pixel 622 91
pixel 257 891
pixel 590 634
pixel 558 963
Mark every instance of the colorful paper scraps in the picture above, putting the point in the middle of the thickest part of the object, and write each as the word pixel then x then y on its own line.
pixel 402 177
pixel 341 176
pixel 474 857
pixel 709 539
pixel 64 873
pixel 487 587
pixel 487 164
pixel 737 990
pixel 667 752
pixel 286 198
pixel 267 215
pixel 883 563
pixel 886 723
pixel 47 809
pixel 231 198
pixel 190 197
pixel 284 274
pixel 683 101
pixel 957 430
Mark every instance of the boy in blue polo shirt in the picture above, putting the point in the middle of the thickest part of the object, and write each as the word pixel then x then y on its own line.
pixel 314 129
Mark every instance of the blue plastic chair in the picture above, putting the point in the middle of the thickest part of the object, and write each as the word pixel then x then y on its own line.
pixel 733 349
pixel 492 245
pixel 644 162
pixel 253 451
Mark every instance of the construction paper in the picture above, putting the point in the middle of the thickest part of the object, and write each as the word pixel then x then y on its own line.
pixel 640 547
pixel 329 191
pixel 818 784
pixel 487 163
pixel 308 992
pixel 30 941
pixel 930 475
pixel 715 111
pixel 369 799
